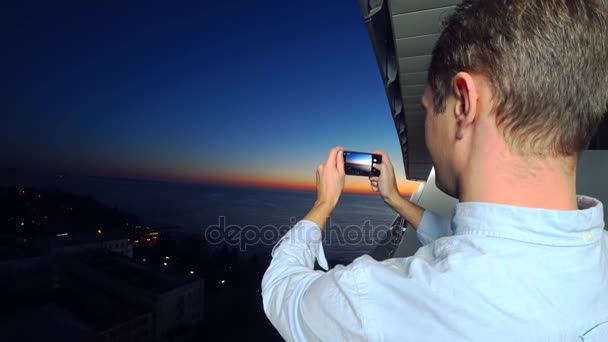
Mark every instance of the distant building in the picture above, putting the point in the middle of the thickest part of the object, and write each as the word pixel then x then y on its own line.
pixel 151 304
pixel 82 242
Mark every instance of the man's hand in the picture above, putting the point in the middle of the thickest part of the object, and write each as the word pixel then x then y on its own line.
pixel 386 183
pixel 330 183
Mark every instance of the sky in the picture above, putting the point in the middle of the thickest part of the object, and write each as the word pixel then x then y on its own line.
pixel 241 92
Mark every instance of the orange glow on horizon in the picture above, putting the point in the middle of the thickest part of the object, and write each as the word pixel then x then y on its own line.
pixel 359 185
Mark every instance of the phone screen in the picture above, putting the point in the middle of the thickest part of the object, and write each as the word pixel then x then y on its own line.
pixel 361 164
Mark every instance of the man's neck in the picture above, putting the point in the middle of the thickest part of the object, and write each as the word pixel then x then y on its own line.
pixel 548 183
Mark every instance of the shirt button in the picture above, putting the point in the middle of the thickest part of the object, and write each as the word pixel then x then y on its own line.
pixel 588 236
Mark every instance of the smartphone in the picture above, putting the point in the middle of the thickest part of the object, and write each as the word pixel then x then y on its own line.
pixel 361 164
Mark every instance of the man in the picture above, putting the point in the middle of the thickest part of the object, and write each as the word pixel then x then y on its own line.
pixel 515 90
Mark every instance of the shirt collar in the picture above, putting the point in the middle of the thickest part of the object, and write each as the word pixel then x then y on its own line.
pixel 534 225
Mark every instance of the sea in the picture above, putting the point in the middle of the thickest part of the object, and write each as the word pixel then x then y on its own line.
pixel 249 219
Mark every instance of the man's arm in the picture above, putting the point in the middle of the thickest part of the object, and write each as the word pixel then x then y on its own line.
pixel 304 304
pixel 412 213
pixel 429 226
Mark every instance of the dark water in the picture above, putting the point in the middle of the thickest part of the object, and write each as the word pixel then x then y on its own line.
pixel 356 224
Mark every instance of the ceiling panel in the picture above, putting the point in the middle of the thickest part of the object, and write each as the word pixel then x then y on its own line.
pixel 417 137
pixel 413 78
pixel 414 63
pixel 416 46
pixel 411 100
pixel 406 6
pixel 416 114
pixel 419 154
pixel 414 90
pixel 419 23
pixel 410 108
pixel 415 121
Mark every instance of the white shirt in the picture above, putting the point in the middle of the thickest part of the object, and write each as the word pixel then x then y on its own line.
pixel 505 273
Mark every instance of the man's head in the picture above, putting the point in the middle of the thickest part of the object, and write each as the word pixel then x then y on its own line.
pixel 531 73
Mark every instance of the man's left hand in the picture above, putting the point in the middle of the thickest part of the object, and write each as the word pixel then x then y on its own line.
pixel 330 183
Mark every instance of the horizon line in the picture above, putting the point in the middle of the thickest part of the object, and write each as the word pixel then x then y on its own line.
pixel 252 183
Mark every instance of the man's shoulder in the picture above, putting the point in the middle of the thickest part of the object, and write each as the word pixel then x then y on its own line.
pixel 437 259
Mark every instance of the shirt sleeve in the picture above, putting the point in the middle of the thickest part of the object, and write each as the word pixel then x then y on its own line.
pixel 307 305
pixel 432 227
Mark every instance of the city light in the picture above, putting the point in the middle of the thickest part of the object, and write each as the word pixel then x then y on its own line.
pixel 164 264
pixel 99 231
pixel 144 259
pixel 167 257
pixel 23 224
pixel 191 272
pixel 222 281
pixel 61 234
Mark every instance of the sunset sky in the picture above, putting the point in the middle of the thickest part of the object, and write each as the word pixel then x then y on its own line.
pixel 239 92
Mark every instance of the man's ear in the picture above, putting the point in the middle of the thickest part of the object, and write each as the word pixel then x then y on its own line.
pixel 465 110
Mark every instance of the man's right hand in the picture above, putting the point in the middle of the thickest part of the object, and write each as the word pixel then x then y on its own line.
pixel 386 183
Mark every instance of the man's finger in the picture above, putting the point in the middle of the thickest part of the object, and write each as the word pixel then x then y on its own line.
pixel 331 158
pixel 340 160
pixel 385 158
pixel 374 179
